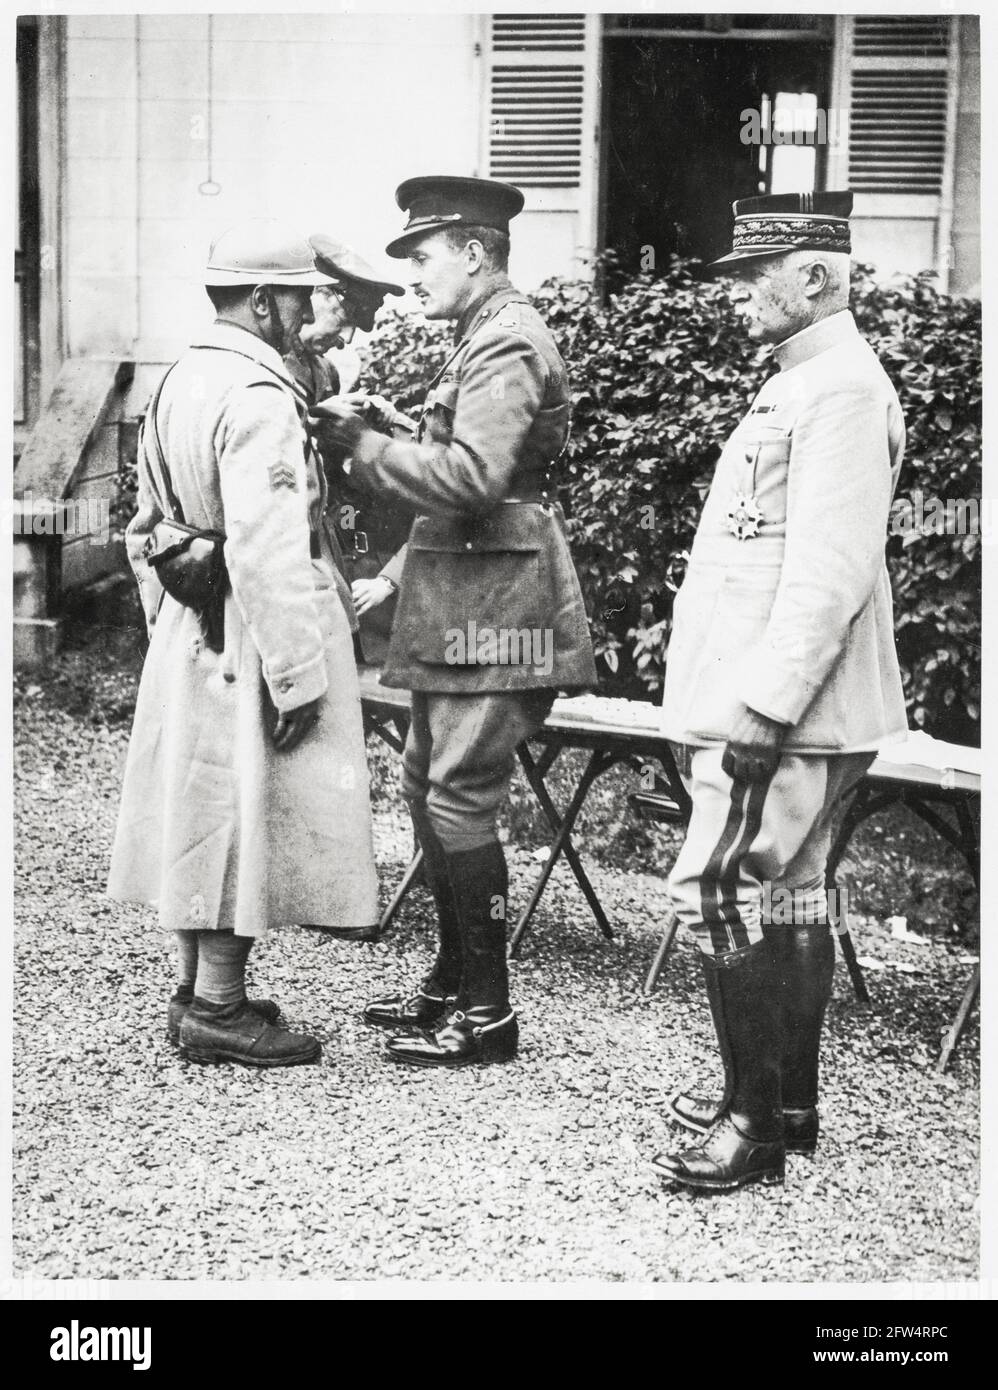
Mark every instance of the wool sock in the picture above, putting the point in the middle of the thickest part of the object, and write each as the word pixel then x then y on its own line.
pixel 221 977
pixel 187 963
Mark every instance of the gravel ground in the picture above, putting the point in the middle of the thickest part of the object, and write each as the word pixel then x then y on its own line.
pixel 131 1164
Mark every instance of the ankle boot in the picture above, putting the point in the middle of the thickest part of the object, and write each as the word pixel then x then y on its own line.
pixel 805 961
pixel 483 1027
pixel 268 1009
pixel 236 1033
pixel 480 1036
pixel 745 1143
pixel 432 1001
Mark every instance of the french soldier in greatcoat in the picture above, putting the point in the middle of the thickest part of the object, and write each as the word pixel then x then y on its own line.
pixel 245 802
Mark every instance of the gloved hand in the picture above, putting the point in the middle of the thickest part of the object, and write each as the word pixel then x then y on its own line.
pixel 753 749
pixel 293 725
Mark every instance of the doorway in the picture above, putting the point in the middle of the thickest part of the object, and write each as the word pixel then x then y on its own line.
pixel 679 147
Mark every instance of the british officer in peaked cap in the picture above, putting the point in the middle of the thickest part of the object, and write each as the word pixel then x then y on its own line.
pixel 782 680
pixel 490 621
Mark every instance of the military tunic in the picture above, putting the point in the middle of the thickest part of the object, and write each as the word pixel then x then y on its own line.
pixel 488 546
pixel 216 827
pixel 786 608
pixel 490 620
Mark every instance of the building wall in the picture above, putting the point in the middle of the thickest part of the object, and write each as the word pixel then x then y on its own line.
pixel 314 118
pixel 966 227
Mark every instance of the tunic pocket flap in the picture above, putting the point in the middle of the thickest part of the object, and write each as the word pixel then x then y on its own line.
pixel 766 446
pixel 508 528
pixel 444 394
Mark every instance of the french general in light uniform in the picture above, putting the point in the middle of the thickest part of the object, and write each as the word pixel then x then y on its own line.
pixel 245 802
pixel 490 621
pixel 782 679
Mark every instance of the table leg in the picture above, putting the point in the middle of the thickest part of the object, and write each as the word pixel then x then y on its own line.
pixel 599 761
pixel 955 1030
pixel 408 878
pixel 971 844
pixel 535 776
pixel 840 925
pixel 664 946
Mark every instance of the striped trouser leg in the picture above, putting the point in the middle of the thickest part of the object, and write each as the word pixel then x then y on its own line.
pixel 742 839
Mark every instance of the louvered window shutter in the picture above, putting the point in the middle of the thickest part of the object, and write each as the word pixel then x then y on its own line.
pixel 536 97
pixel 539 131
pixel 897 82
pixel 898 110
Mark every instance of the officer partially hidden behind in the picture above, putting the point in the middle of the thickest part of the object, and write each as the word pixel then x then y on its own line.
pixel 366 533
pixel 782 681
pixel 490 621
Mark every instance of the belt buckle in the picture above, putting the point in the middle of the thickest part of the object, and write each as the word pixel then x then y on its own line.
pixel 360 545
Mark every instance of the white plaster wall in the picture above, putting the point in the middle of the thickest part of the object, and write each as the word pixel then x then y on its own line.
pixel 314 118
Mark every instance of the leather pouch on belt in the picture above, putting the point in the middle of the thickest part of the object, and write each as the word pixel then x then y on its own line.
pixel 190 565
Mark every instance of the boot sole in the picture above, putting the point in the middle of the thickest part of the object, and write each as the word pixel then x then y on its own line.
pixel 344 933
pixel 219 1055
pixel 768 1177
pixel 476 1061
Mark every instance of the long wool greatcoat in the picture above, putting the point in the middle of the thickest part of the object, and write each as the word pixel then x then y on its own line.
pixel 487 550
pixel 796 620
pixel 216 827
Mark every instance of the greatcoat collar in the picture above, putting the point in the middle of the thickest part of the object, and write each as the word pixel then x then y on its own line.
pixel 230 337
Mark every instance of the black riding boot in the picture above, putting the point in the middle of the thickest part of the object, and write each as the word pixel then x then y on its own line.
pixel 482 1027
pixel 432 999
pixel 745 1144
pixel 805 961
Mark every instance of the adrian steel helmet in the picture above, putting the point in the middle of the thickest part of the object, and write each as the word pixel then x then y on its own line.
pixel 262 252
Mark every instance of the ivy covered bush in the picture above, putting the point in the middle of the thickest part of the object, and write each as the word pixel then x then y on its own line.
pixel 661 372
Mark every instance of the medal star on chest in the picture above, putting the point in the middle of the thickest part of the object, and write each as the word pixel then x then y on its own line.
pixel 744 516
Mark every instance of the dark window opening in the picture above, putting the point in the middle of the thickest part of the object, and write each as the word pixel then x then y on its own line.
pixel 688 127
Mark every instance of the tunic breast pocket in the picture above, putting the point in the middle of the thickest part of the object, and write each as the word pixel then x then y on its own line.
pixel 758 461
pixel 764 447
pixel 439 410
